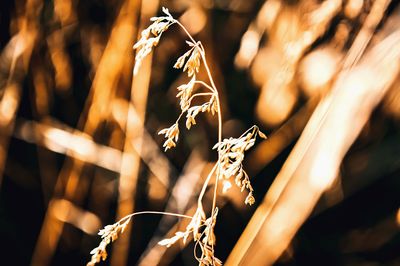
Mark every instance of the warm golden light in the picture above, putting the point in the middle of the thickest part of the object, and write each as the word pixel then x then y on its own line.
pixel 8 104
pixel 65 10
pixel 353 8
pixel 194 19
pixel 248 49
pixel 80 145
pixel 317 69
pixel 97 154
pixel 391 102
pixel 275 104
pixel 323 171
pixel 66 211
pixel 398 217
pixel 61 61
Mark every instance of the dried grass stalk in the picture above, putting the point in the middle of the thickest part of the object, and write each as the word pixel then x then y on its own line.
pixel 230 151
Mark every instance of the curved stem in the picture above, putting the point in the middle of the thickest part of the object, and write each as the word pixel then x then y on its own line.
pixel 185 30
pixel 203 57
pixel 219 127
pixel 214 202
pixel 254 128
pixel 204 84
pixel 201 247
pixel 190 99
pixel 203 189
pixel 179 117
pixel 200 94
pixel 154 212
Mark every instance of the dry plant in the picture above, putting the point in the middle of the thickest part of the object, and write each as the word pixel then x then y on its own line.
pixel 230 151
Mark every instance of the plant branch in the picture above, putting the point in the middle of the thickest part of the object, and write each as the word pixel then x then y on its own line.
pixel 200 94
pixel 154 212
pixel 204 84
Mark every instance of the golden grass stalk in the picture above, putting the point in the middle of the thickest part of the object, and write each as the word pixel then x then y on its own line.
pixel 230 151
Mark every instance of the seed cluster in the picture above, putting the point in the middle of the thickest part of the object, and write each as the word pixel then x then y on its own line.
pixel 109 234
pixel 231 158
pixel 150 37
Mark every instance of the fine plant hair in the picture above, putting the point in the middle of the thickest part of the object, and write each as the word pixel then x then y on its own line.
pixel 230 151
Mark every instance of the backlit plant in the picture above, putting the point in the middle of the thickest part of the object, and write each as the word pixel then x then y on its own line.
pixel 230 151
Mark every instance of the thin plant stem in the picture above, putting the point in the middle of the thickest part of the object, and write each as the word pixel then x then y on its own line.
pixel 154 212
pixel 200 94
pixel 185 30
pixel 219 113
pixel 205 85
pixel 203 189
pixel 192 66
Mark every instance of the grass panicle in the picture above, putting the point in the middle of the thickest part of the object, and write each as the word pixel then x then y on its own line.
pixel 231 152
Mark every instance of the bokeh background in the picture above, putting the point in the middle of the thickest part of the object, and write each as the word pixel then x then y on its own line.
pixel 79 145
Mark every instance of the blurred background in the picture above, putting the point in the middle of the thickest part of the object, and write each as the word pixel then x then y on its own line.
pixel 78 135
